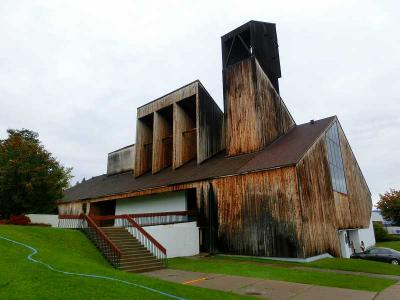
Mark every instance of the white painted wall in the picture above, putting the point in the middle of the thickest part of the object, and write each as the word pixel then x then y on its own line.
pixel 44 219
pixel 180 239
pixel 366 235
pixel 164 202
pixel 121 160
pixel 345 250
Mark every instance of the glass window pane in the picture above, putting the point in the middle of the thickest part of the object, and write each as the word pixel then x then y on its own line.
pixel 335 159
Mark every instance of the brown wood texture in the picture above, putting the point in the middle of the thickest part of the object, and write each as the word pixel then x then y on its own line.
pixel 167 100
pixel 195 128
pixel 184 137
pixel 319 222
pixel 291 211
pixel 162 142
pixel 144 145
pixel 209 121
pixel 324 211
pixel 255 115
pixel 259 213
pixel 74 208
pixel 359 203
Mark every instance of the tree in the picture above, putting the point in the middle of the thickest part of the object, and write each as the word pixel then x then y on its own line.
pixel 31 180
pixel 389 205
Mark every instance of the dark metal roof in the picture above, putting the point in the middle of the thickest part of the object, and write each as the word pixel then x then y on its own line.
pixel 286 150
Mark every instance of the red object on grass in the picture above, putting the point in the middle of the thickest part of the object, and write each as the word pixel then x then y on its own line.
pixel 20 220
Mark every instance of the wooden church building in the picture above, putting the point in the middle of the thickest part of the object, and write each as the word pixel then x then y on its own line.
pixel 249 179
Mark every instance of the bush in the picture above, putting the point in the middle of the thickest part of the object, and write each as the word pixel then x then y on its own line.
pixel 4 222
pixel 20 220
pixel 381 234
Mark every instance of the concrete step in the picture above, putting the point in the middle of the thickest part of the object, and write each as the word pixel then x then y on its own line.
pixel 154 263
pixel 125 241
pixel 130 251
pixel 142 261
pixel 142 266
pixel 125 246
pixel 129 245
pixel 119 235
pixel 135 255
pixel 115 231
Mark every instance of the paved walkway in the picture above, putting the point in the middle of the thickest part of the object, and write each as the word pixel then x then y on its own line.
pixel 392 292
pixel 394 277
pixel 270 289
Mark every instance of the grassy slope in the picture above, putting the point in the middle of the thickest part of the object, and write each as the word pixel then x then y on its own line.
pixel 394 245
pixel 70 250
pixel 279 271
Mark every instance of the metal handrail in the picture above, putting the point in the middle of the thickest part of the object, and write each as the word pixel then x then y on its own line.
pixel 146 234
pixel 102 234
pixel 126 221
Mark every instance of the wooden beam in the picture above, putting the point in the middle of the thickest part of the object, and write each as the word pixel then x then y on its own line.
pixel 162 150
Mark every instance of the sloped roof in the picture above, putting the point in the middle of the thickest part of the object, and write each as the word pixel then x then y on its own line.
pixel 285 151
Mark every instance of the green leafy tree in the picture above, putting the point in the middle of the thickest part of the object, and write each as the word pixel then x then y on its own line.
pixel 389 205
pixel 31 180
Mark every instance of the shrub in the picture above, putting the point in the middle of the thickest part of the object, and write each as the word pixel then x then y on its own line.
pixel 20 220
pixel 381 234
pixel 4 222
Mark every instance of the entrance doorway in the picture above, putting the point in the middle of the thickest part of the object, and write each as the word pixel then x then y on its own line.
pixel 349 242
pixel 104 208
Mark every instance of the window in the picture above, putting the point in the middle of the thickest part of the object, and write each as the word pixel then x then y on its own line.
pixel 384 251
pixel 373 251
pixel 335 160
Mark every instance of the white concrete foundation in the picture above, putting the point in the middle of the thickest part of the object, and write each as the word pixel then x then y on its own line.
pixel 180 239
pixel 44 219
pixel 356 236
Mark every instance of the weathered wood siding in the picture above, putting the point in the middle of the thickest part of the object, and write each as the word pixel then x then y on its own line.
pixel 162 142
pixel 210 126
pixel 259 213
pixel 195 130
pixel 325 211
pixel 167 100
pixel 184 136
pixel 285 212
pixel 255 115
pixel 356 209
pixel 319 222
pixel 144 142
pixel 74 208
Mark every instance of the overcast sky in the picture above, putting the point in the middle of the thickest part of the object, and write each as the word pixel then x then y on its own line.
pixel 75 71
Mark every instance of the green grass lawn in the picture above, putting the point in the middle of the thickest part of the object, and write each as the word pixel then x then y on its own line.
pixel 356 265
pixel 70 250
pixel 279 271
pixel 394 245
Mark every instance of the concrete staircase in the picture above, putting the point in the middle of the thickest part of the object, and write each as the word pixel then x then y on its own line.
pixel 135 257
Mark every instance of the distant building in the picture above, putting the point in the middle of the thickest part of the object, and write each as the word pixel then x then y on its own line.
pixel 378 218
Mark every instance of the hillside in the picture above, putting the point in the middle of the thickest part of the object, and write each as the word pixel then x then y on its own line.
pixel 71 251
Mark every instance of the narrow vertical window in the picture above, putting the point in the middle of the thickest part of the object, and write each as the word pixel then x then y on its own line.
pixel 335 160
